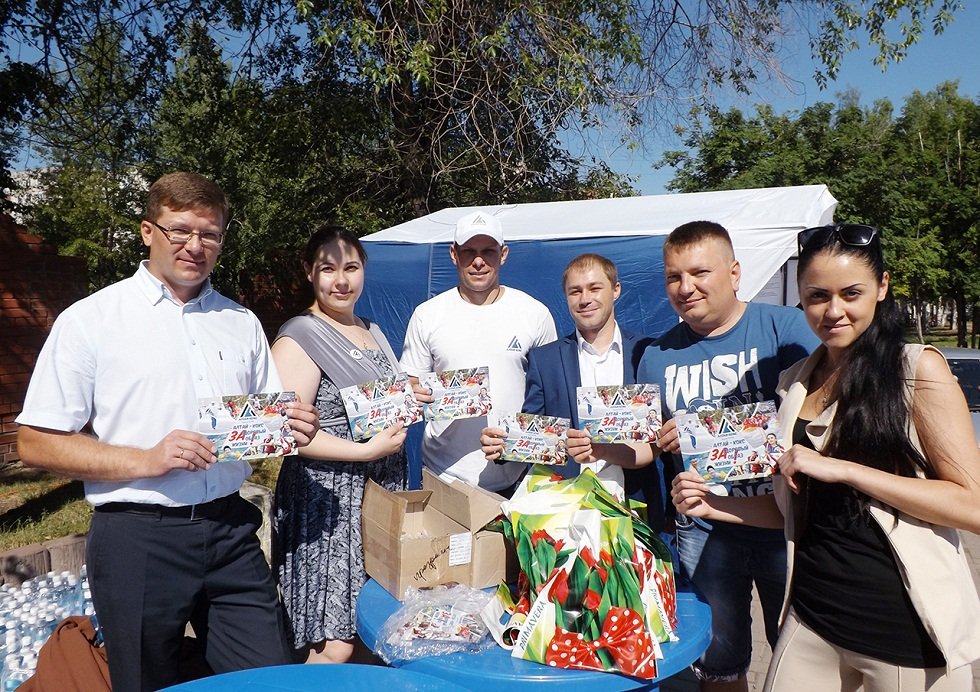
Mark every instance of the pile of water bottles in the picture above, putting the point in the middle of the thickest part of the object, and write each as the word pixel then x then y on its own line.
pixel 29 615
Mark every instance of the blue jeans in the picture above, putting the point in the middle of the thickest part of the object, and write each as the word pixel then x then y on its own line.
pixel 722 561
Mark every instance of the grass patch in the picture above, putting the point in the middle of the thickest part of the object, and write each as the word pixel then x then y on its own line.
pixel 36 506
pixel 39 507
pixel 69 520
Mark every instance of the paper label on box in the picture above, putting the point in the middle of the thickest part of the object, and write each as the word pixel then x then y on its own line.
pixel 460 549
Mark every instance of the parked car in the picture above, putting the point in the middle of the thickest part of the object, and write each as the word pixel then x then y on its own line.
pixel 965 364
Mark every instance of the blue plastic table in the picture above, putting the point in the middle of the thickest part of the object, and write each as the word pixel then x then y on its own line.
pixel 496 669
pixel 335 678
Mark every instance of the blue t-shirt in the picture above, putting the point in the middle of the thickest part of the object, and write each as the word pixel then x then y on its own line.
pixel 741 366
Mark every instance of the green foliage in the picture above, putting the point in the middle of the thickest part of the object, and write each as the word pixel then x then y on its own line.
pixel 878 19
pixel 372 113
pixel 18 91
pixel 916 176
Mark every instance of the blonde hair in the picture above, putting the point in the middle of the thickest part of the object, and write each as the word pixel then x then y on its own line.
pixel 588 261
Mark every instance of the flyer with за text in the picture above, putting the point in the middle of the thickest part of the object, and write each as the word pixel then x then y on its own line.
pixel 373 406
pixel 457 393
pixel 248 426
pixel 620 413
pixel 736 443
pixel 535 439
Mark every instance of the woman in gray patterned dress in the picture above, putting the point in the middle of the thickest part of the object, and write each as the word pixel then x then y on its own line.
pixel 317 532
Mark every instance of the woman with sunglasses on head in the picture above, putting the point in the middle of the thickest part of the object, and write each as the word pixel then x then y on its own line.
pixel 883 469
pixel 318 549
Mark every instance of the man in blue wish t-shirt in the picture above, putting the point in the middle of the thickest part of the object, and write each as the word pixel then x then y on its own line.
pixel 724 352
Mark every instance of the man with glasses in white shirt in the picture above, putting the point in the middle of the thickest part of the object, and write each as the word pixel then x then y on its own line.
pixel 113 401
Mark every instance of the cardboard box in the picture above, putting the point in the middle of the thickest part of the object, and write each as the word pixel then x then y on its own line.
pixel 432 536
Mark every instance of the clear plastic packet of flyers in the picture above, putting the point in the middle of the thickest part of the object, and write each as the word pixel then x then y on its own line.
pixel 440 620
pixel 620 413
pixel 379 404
pixel 457 393
pixel 735 443
pixel 535 439
pixel 247 426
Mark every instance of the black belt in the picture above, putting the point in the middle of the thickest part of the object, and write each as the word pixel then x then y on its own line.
pixel 205 510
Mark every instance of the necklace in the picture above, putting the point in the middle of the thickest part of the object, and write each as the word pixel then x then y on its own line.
pixel 496 295
pixel 827 387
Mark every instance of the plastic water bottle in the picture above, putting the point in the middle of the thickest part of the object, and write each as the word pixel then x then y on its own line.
pixel 16 673
pixel 73 598
pixel 10 663
pixel 10 645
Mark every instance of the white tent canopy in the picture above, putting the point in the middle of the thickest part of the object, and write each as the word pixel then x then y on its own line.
pixel 763 222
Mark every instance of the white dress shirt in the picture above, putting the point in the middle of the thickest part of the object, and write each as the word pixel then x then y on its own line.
pixel 130 363
pixel 597 369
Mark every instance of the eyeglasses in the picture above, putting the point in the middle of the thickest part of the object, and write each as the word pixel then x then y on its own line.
pixel 181 236
pixel 853 234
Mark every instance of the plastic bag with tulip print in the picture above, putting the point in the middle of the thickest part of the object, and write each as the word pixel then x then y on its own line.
pixel 596 589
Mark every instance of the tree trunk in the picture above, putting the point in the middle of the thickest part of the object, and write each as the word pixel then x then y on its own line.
pixel 975 330
pixel 961 317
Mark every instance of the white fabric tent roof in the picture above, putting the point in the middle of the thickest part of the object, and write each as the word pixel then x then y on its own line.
pixel 763 222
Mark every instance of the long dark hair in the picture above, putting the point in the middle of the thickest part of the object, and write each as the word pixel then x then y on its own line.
pixel 873 408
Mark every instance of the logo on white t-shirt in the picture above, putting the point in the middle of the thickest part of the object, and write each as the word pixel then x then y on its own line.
pixel 514 345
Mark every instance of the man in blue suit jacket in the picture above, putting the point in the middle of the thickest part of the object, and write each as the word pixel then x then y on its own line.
pixel 610 354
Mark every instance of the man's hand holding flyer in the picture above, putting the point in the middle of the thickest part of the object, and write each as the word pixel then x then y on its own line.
pixel 534 439
pixel 248 426
pixel 731 444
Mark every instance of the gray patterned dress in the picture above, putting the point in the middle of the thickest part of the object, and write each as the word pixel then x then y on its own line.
pixel 317 531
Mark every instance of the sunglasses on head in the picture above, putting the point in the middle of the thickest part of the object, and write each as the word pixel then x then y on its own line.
pixel 853 234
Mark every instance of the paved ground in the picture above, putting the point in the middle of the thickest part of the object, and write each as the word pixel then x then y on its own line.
pixel 760 648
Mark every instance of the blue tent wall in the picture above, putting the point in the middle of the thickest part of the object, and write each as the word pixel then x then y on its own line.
pixel 402 275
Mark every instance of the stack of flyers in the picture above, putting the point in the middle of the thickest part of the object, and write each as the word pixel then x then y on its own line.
pixel 620 413
pixel 247 426
pixel 379 404
pixel 731 444
pixel 457 393
pixel 535 439
pixel 441 623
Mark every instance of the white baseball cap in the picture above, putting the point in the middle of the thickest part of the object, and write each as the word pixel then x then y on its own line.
pixel 478 223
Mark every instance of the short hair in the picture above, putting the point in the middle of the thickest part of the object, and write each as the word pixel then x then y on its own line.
pixel 589 260
pixel 181 191
pixel 694 232
pixel 328 233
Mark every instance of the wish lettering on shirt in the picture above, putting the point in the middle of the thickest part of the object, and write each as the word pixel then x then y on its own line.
pixel 713 380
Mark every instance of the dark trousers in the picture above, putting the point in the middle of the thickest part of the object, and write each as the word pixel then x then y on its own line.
pixel 152 572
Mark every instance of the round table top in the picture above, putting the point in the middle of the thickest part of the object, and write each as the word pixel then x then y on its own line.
pixel 346 677
pixel 495 668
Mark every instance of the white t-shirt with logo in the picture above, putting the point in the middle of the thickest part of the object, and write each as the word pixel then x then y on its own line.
pixel 447 333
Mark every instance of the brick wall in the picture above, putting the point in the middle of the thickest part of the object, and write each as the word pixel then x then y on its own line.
pixel 36 284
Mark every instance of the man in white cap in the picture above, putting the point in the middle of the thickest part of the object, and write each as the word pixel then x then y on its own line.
pixel 479 322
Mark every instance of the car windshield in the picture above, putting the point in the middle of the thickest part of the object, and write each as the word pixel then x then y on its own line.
pixel 967 371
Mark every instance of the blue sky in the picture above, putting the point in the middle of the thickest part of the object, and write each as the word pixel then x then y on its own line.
pixel 953 55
